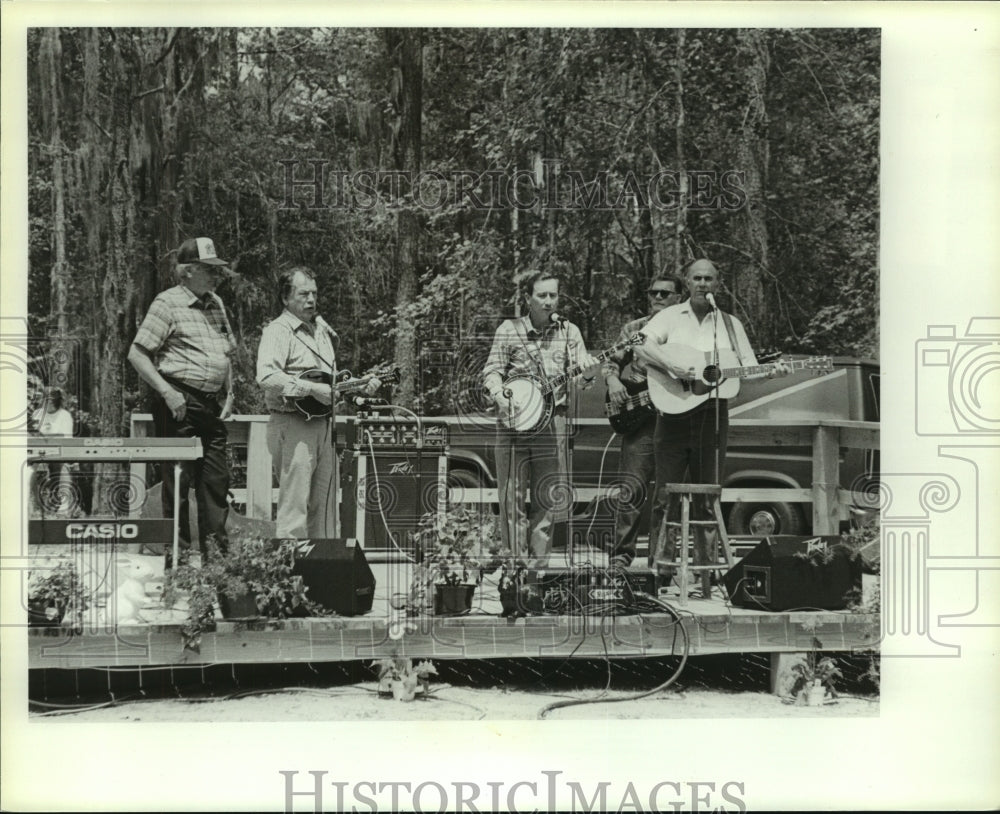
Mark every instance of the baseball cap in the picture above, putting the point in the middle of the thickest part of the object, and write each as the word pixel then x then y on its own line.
pixel 199 250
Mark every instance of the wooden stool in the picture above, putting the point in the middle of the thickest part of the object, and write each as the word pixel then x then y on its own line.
pixel 713 494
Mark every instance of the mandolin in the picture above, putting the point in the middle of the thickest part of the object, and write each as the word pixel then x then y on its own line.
pixel 312 407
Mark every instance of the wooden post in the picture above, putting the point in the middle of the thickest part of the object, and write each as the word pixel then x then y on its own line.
pixel 137 471
pixel 826 480
pixel 258 472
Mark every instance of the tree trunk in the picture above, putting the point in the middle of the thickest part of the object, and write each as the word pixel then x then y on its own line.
pixel 680 256
pixel 406 86
pixel 59 276
pixel 753 158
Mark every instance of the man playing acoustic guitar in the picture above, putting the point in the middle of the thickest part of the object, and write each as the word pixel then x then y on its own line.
pixel 625 377
pixel 531 435
pixel 693 418
pixel 301 445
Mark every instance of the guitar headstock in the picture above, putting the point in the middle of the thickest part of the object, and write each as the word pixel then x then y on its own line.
pixel 388 376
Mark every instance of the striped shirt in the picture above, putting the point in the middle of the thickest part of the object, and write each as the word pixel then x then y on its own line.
pixel 188 337
pixel 624 358
pixel 288 348
pixel 519 348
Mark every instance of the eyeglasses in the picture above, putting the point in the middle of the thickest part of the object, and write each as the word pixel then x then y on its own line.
pixel 661 292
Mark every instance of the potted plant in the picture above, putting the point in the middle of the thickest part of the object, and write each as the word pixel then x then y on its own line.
pixel 449 546
pixel 53 593
pixel 511 581
pixel 814 678
pixel 251 578
pixel 398 677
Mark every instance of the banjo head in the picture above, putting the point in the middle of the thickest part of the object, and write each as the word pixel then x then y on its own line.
pixel 529 407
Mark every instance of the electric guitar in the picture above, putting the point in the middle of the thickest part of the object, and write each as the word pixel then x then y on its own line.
pixel 530 403
pixel 637 408
pixel 673 395
pixel 312 407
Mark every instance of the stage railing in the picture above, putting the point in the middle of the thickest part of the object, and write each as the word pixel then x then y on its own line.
pixel 827 440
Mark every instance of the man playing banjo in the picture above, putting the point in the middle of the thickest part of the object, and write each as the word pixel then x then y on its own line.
pixel 531 442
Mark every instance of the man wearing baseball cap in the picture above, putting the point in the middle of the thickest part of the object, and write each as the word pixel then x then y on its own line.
pixel 182 351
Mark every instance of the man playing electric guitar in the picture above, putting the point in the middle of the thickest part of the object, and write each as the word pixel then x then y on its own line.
pixel 301 447
pixel 690 445
pixel 545 346
pixel 625 377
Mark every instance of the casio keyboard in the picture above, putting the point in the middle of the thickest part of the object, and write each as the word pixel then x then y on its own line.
pixel 109 450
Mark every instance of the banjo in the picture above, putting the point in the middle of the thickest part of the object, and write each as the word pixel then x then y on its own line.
pixel 530 403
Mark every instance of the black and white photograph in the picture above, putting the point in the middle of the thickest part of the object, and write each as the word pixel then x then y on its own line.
pixel 484 412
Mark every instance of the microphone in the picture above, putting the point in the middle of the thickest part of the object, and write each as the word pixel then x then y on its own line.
pixel 711 301
pixel 557 319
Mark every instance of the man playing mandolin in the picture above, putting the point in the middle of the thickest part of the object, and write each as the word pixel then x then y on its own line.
pixel 625 376
pixel 529 355
pixel 693 418
pixel 301 445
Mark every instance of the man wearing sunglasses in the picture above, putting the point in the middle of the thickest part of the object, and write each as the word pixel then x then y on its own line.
pixel 625 376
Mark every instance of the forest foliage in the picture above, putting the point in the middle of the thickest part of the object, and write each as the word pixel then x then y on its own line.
pixel 453 162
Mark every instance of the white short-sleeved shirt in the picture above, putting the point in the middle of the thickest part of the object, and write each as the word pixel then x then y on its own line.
pixel 679 324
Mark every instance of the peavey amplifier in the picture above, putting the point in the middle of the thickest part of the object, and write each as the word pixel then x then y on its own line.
pixel 787 571
pixel 337 574
pixel 386 493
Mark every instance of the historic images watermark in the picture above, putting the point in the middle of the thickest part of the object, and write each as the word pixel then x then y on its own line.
pixel 955 400
pixel 311 184
pixel 315 791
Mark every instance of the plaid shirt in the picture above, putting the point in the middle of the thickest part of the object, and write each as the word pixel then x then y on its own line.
pixel 519 348
pixel 619 361
pixel 288 348
pixel 188 337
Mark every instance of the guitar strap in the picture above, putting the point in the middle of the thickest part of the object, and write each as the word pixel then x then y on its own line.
pixel 732 335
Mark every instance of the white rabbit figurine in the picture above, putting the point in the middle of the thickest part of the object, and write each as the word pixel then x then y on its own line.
pixel 130 594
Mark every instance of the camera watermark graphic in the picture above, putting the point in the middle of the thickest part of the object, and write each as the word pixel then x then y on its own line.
pixel 957 396
pixel 958 380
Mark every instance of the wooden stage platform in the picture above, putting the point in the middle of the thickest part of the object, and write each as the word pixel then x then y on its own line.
pixel 712 626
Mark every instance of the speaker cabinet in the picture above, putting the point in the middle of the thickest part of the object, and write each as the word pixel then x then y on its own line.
pixel 337 574
pixel 787 571
pixel 385 494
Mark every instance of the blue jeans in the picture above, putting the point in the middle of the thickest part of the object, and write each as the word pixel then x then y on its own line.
pixel 538 459
pixel 636 468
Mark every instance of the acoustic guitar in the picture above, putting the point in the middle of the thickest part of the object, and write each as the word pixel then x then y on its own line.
pixel 312 407
pixel 674 395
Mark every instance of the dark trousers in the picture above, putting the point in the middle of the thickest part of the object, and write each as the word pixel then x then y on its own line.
pixel 209 475
pixel 686 447
pixel 636 469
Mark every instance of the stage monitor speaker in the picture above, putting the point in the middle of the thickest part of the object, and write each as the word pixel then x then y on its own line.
pixel 337 574
pixel 786 571
pixel 401 485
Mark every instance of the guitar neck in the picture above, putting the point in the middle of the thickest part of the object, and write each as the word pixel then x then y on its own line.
pixel 757 370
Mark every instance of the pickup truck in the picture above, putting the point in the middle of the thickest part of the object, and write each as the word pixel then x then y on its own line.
pixel 849 392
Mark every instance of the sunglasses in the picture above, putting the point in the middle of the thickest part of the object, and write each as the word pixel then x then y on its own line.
pixel 661 292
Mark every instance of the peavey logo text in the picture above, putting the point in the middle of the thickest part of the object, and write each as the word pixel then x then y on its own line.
pixel 125 531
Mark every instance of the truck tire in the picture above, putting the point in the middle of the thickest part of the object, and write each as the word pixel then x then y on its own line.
pixel 762 519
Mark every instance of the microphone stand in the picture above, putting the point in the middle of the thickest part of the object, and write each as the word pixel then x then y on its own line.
pixel 572 405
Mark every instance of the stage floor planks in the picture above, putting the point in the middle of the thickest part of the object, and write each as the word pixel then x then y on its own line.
pixel 712 626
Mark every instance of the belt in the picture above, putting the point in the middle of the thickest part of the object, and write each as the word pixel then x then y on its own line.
pixel 187 388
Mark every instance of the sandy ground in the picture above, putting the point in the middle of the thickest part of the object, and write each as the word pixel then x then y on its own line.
pixel 361 702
